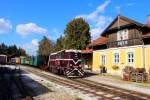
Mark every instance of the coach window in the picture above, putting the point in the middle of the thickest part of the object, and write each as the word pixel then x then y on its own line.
pixel 69 55
pixel 62 55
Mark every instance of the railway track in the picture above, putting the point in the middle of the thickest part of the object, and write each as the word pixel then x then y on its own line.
pixel 5 84
pixel 17 78
pixel 10 82
pixel 104 92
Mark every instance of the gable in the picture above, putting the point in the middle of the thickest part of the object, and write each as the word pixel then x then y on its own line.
pixel 123 22
pixel 120 22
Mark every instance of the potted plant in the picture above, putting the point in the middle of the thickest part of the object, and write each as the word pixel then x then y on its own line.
pixel 115 67
pixel 102 66
pixel 103 69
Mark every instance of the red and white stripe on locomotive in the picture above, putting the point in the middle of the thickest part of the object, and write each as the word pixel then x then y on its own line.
pixel 66 62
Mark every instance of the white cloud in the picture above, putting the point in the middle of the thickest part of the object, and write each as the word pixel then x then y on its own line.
pixel 35 42
pixel 130 4
pixel 30 28
pixel 97 20
pixel 56 34
pixel 94 14
pixel 32 47
pixel 5 26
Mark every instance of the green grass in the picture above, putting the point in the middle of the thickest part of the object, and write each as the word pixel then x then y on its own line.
pixel 78 98
pixel 143 85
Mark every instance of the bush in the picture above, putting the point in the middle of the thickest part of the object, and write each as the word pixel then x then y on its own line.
pixel 102 66
pixel 129 69
pixel 78 98
pixel 115 67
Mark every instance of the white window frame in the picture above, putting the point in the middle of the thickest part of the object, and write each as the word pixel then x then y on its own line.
pixel 130 57
pixel 103 59
pixel 116 58
pixel 122 34
pixel 126 32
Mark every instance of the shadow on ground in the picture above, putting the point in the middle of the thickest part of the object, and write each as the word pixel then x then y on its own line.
pixel 7 73
pixel 89 73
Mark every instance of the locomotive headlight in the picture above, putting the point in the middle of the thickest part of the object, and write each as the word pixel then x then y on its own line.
pixel 80 65
pixel 70 64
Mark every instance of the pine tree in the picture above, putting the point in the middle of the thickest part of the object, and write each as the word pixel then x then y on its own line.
pixel 12 50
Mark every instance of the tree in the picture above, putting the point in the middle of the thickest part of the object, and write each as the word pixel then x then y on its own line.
pixel 21 52
pixel 77 35
pixel 12 50
pixel 59 43
pixel 46 47
pixel 3 48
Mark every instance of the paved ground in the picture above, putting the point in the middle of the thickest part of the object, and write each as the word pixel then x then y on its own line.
pixel 118 82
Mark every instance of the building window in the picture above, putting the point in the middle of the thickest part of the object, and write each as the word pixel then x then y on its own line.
pixel 122 35
pixel 130 57
pixel 116 58
pixel 103 58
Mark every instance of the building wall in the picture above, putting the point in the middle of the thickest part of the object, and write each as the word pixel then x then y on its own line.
pixel 147 58
pixel 96 56
pixel 138 51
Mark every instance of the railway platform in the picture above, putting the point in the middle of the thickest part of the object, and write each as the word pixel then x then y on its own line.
pixel 116 81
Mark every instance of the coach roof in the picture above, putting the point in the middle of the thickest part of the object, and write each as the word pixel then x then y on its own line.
pixel 70 50
pixel 3 55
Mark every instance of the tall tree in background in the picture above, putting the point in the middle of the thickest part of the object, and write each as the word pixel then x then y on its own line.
pixel 12 50
pixel 3 48
pixel 77 35
pixel 46 47
pixel 59 44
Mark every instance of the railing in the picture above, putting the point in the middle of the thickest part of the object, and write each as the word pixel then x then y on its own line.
pixel 122 43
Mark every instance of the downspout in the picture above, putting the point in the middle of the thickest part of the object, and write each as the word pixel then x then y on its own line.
pixel 143 50
pixel 143 54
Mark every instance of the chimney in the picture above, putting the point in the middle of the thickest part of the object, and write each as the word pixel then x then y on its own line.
pixel 148 21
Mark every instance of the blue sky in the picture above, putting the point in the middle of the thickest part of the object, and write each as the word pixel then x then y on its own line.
pixel 24 22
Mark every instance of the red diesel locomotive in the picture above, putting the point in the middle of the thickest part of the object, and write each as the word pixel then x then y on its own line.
pixel 66 62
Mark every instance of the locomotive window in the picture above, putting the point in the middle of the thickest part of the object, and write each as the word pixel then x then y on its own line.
pixel 69 55
pixel 62 55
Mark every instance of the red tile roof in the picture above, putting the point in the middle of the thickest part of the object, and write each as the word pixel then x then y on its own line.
pixel 146 35
pixel 99 41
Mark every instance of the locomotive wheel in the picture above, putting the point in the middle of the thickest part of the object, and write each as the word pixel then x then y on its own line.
pixel 64 73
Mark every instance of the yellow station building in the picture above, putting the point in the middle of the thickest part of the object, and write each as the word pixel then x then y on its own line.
pixel 124 42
